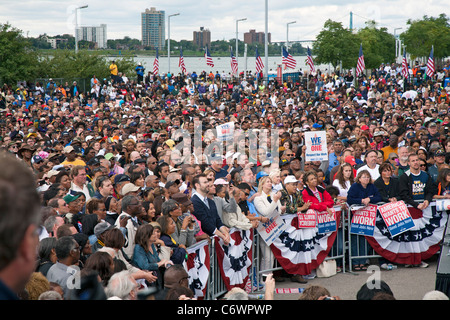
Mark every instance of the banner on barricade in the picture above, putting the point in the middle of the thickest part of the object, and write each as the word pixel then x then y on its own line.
pixel 301 250
pixel 235 259
pixel 326 222
pixel 198 267
pixel 416 244
pixel 316 146
pixel 271 229
pixel 443 204
pixel 225 132
pixel 396 216
pixel 308 219
pixel 363 220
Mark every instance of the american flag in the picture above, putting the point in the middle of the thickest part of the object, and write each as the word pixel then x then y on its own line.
pixel 405 71
pixel 181 62
pixel 156 63
pixel 209 60
pixel 234 63
pixel 430 64
pixel 259 63
pixel 361 65
pixel 310 62
pixel 288 60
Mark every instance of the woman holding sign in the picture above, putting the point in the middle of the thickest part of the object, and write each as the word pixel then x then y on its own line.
pixel 362 192
pixel 268 205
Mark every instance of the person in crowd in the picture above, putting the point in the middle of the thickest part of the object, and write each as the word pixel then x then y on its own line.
pixel 362 193
pixel 343 180
pixel 387 184
pixel 145 254
pixel 268 206
pixel 178 251
pixel 64 270
pixel 416 187
pixel 319 198
pixel 205 209
pixel 19 224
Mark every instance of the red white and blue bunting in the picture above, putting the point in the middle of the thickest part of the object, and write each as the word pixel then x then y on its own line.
pixel 301 250
pixel 414 245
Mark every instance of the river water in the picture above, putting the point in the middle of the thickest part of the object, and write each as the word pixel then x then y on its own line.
pixel 221 64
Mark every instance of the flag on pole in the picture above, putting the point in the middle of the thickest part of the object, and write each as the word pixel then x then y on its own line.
pixel 288 60
pixel 234 63
pixel 360 65
pixel 430 64
pixel 209 60
pixel 259 63
pixel 405 71
pixel 310 62
pixel 181 62
pixel 156 63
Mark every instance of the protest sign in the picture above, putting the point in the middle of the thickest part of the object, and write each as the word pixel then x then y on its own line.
pixel 225 132
pixel 397 217
pixel 326 222
pixel 316 146
pixel 271 229
pixel 442 204
pixel 363 220
pixel 308 219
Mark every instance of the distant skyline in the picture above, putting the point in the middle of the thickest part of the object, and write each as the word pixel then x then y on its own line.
pixel 53 17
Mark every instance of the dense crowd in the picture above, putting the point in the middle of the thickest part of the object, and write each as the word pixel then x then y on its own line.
pixel 117 166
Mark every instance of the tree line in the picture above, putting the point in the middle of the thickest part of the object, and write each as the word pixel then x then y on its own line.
pixel 21 58
pixel 339 46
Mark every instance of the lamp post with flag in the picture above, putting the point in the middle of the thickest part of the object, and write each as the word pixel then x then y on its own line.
pixel 430 64
pixel 405 71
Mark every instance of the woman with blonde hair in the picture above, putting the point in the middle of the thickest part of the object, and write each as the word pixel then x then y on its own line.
pixel 267 204
pixel 275 176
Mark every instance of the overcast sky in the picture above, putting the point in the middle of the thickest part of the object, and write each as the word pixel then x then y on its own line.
pixel 35 17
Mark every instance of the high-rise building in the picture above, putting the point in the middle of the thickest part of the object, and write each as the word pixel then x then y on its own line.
pixel 93 34
pixel 153 28
pixel 252 36
pixel 202 38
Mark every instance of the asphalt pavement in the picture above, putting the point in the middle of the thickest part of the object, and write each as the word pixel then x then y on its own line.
pixel 405 283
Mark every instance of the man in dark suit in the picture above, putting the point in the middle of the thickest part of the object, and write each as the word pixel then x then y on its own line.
pixel 205 210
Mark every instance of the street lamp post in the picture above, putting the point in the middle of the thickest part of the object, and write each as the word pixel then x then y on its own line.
pixel 287 33
pixel 237 37
pixel 266 40
pixel 76 26
pixel 168 36
pixel 396 45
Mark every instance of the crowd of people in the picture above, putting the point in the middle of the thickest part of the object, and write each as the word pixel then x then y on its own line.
pixel 128 175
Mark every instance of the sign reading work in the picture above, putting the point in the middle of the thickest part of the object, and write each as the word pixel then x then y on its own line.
pixel 397 217
pixel 363 220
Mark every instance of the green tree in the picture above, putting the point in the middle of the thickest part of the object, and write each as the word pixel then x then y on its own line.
pixel 336 44
pixel 18 59
pixel 422 34
pixel 83 65
pixel 378 45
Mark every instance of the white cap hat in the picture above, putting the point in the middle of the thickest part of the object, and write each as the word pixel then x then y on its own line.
pixel 129 187
pixel 220 181
pixel 290 179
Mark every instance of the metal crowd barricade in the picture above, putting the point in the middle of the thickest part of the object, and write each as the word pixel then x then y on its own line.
pixel 338 251
pixel 216 286
pixel 358 247
pixel 341 249
pixel 363 249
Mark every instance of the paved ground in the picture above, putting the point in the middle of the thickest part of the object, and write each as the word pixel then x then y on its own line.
pixel 405 283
